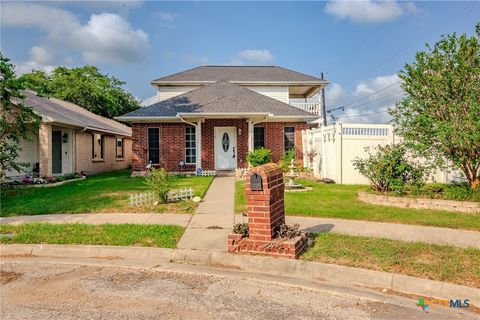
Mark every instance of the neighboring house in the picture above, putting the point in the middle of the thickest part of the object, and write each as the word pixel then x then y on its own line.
pixel 72 139
pixel 209 117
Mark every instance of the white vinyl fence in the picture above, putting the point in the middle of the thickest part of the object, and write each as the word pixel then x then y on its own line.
pixel 335 147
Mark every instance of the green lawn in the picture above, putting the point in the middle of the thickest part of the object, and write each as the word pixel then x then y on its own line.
pixel 435 262
pixel 340 201
pixel 107 192
pixel 165 236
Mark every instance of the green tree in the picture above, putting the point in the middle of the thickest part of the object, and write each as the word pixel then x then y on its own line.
pixel 17 121
pixel 440 116
pixel 85 86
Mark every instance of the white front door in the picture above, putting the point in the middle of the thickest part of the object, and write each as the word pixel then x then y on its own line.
pixel 225 148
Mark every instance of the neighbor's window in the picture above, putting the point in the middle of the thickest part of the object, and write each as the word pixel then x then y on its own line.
pixel 154 145
pixel 119 148
pixel 258 137
pixel 97 146
pixel 289 138
pixel 190 146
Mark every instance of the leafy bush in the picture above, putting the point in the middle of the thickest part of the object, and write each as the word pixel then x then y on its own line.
pixel 388 169
pixel 259 156
pixel 161 183
pixel 241 228
pixel 284 163
pixel 461 191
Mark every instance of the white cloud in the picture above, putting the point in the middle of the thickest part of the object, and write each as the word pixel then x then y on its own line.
pixel 193 59
pixel 166 16
pixel 371 109
pixel 41 55
pixel 367 11
pixel 252 56
pixel 106 38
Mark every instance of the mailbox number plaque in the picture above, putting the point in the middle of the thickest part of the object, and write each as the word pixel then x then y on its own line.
pixel 256 182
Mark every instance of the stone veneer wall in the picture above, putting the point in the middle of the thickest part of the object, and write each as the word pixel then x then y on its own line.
pixel 420 203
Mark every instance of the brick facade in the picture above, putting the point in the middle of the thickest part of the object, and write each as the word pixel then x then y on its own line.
pixel 83 154
pixel 172 142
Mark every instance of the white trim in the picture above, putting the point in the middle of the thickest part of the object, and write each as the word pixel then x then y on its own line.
pixel 271 117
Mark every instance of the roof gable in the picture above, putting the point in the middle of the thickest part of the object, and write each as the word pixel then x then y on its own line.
pixel 220 97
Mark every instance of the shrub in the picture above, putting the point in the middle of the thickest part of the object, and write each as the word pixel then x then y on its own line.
pixel 284 163
pixel 388 169
pixel 461 191
pixel 160 183
pixel 259 156
pixel 241 228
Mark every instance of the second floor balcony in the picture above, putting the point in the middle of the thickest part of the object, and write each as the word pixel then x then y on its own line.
pixel 314 108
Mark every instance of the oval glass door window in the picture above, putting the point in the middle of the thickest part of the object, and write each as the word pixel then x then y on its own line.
pixel 225 141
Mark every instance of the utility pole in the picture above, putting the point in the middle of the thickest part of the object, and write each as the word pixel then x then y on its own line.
pixel 324 107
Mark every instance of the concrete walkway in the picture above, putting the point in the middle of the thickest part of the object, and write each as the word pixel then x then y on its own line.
pixel 101 218
pixel 214 218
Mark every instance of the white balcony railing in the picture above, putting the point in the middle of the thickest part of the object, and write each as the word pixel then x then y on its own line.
pixel 313 108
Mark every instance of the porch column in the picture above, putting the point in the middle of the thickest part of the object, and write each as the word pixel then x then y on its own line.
pixel 198 134
pixel 250 135
pixel 45 149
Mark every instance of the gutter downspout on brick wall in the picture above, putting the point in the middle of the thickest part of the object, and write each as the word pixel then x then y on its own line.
pixel 251 126
pixel 198 141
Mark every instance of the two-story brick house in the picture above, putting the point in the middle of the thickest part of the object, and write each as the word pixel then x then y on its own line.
pixel 209 117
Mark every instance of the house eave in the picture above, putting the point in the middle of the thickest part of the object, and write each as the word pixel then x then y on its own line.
pixel 165 83
pixel 270 117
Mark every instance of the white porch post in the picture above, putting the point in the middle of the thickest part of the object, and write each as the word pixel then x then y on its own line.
pixel 250 135
pixel 198 139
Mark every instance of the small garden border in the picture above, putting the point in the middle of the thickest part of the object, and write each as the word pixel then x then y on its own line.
pixel 419 203
pixel 45 185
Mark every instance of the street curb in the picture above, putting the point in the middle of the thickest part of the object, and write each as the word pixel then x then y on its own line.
pixel 297 268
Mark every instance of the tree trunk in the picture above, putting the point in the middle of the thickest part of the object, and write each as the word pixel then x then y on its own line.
pixel 475 183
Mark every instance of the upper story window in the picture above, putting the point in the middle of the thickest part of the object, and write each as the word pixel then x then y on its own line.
pixel 119 148
pixel 154 145
pixel 289 138
pixel 190 146
pixel 258 137
pixel 97 146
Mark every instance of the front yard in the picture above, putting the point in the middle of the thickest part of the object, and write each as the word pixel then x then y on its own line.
pixel 340 201
pixel 165 236
pixel 417 259
pixel 107 192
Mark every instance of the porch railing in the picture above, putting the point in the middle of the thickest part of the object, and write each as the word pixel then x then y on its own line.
pixel 313 108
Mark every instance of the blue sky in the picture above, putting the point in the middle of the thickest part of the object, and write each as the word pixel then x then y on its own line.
pixel 359 45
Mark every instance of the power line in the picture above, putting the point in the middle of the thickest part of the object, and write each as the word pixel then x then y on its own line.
pixel 376 40
pixel 417 40
pixel 367 96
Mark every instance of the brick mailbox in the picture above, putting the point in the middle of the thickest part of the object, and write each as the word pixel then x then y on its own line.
pixel 264 188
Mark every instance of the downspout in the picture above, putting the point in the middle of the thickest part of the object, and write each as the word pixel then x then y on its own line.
pixel 75 147
pixel 250 132
pixel 199 155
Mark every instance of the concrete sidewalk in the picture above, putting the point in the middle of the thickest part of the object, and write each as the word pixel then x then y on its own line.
pixel 214 218
pixel 395 231
pixel 101 218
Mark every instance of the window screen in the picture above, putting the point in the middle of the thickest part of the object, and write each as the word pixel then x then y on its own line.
pixel 154 145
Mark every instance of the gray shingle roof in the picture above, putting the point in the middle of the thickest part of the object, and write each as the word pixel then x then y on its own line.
pixel 239 73
pixel 59 111
pixel 219 97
